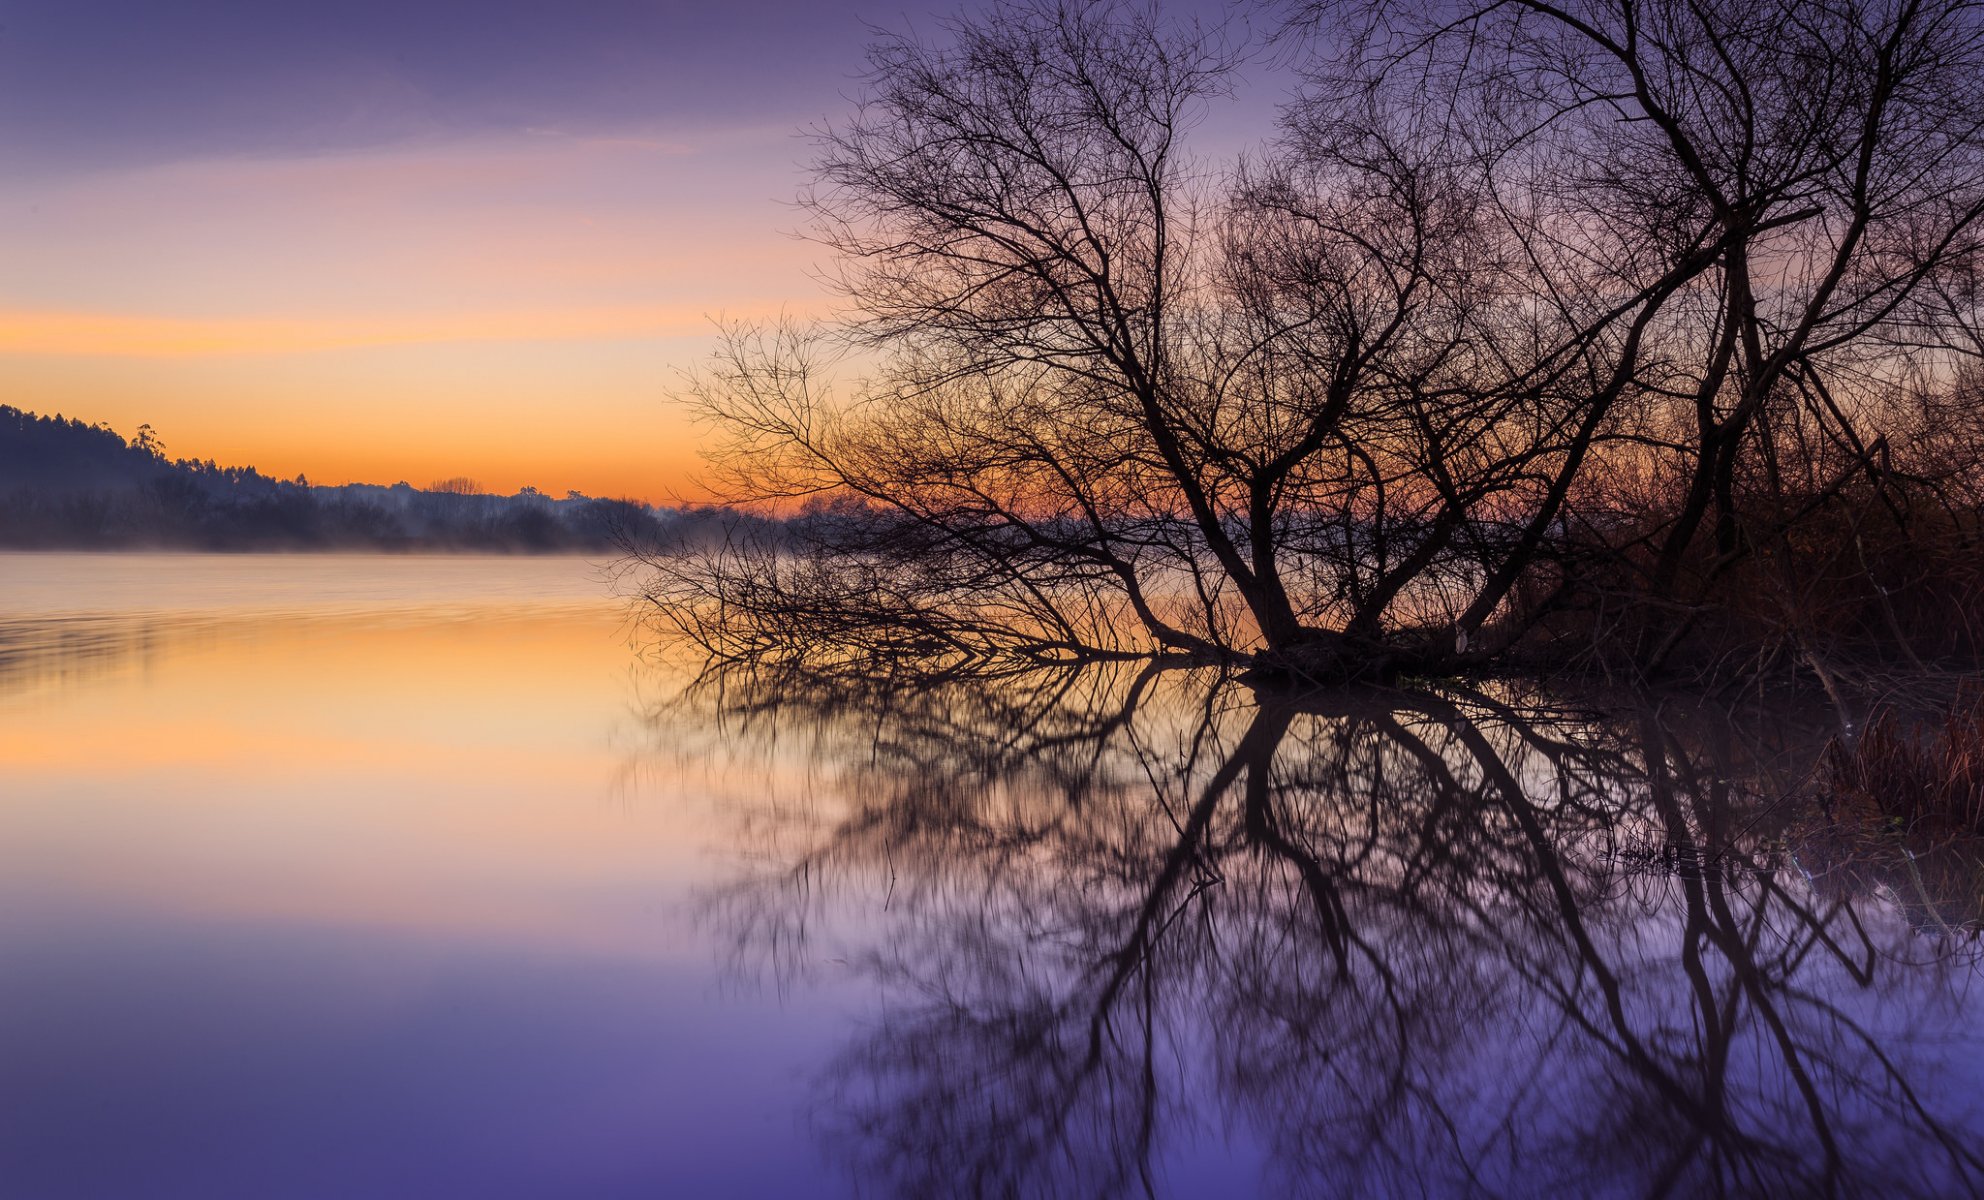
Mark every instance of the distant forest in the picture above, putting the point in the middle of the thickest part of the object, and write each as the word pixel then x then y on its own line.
pixel 65 484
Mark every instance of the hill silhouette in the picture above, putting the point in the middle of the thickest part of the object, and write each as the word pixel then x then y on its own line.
pixel 67 484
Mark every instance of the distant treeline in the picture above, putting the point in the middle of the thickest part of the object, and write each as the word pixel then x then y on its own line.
pixel 65 484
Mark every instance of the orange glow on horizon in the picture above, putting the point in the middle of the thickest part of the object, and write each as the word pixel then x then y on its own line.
pixel 485 411
pixel 146 336
pixel 515 308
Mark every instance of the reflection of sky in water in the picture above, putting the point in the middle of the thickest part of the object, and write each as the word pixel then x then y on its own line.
pixel 342 877
pixel 66 617
pixel 361 899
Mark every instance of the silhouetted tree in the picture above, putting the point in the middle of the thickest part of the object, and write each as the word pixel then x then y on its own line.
pixel 1520 287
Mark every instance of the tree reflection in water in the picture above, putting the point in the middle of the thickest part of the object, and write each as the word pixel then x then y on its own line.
pixel 1427 942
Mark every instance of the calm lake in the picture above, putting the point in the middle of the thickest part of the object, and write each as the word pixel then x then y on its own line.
pixel 368 876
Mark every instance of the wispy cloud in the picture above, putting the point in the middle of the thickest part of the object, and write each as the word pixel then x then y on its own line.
pixel 129 335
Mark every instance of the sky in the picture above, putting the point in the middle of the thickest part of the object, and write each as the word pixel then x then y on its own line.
pixel 407 239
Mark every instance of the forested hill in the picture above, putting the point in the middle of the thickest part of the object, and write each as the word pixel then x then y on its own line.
pixel 65 484
pixel 56 454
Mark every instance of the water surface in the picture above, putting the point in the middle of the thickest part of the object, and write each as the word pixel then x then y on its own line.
pixel 341 876
pixel 338 876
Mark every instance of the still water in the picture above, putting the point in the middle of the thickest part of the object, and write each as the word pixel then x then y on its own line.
pixel 349 876
pixel 362 877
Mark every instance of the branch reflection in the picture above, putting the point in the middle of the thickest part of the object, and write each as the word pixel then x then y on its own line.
pixel 1428 942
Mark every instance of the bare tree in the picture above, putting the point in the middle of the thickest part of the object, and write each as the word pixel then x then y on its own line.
pixel 1518 286
pixel 1829 157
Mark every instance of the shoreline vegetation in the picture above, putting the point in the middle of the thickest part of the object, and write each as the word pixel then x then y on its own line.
pixel 1640 341
pixel 67 485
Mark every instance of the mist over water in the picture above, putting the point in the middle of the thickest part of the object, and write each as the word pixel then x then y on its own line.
pixel 397 876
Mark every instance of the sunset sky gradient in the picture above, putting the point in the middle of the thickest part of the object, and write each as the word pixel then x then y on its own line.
pixel 383 240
